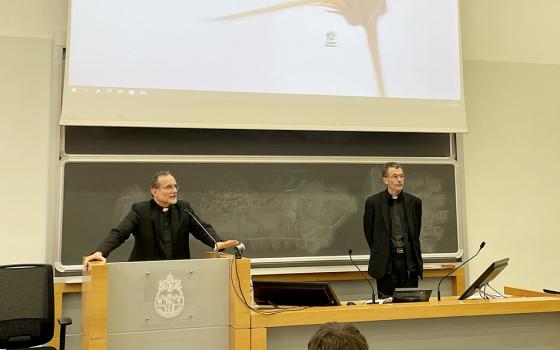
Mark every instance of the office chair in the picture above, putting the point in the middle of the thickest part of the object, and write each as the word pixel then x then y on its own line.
pixel 27 307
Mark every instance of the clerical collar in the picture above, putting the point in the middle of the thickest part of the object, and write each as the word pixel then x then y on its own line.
pixel 163 209
pixel 390 196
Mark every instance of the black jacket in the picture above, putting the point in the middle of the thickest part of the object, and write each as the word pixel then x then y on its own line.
pixel 143 221
pixel 378 234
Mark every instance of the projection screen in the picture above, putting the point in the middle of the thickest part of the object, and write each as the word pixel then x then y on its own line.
pixel 364 65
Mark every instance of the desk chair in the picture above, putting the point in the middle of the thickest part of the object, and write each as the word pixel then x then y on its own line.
pixel 27 307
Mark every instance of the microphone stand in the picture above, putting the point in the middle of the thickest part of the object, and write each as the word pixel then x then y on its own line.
pixel 205 230
pixel 367 279
pixel 455 269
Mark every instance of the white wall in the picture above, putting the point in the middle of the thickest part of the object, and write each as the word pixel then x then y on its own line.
pixel 25 67
pixel 32 18
pixel 511 30
pixel 27 127
pixel 512 76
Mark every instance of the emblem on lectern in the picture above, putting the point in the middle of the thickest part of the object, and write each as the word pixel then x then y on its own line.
pixel 169 299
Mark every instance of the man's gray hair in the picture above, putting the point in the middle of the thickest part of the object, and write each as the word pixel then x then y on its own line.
pixel 154 182
pixel 385 170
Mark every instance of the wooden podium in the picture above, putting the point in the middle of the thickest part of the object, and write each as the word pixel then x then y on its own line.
pixel 166 304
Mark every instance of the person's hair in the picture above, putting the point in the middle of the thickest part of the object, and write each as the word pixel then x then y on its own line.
pixel 337 336
pixel 154 182
pixel 388 165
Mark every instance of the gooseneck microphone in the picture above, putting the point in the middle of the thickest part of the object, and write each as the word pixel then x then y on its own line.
pixel 455 269
pixel 204 228
pixel 365 277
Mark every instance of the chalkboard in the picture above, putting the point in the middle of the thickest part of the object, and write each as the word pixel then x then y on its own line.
pixel 144 141
pixel 278 210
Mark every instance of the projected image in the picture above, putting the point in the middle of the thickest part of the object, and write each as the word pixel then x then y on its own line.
pixel 370 48
pixel 361 13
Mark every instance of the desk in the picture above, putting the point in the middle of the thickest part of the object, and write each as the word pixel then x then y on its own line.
pixel 449 307
pixel 457 277
pixel 61 288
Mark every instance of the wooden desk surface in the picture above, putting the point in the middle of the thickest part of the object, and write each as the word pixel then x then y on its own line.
pixel 448 307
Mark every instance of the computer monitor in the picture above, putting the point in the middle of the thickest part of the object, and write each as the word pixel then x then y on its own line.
pixel 408 295
pixel 294 293
pixel 486 277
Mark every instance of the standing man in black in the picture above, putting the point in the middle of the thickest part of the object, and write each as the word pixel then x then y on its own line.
pixel 392 223
pixel 161 227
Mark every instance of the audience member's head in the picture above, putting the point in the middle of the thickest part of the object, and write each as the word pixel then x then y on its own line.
pixel 337 336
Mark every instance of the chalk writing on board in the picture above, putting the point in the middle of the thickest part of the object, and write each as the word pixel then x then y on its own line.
pixel 125 199
pixel 301 215
pixel 435 215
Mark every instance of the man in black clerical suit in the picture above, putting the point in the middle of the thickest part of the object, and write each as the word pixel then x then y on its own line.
pixel 160 226
pixel 392 223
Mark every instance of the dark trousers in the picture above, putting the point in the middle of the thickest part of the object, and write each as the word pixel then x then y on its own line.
pixel 398 277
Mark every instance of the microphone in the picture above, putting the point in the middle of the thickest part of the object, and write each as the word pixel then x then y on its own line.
pixel 367 279
pixel 204 228
pixel 239 250
pixel 455 269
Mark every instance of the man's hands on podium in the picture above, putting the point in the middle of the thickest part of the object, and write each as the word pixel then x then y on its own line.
pixel 227 244
pixel 97 256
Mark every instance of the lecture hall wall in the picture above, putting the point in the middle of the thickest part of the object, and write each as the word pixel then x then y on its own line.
pixel 511 72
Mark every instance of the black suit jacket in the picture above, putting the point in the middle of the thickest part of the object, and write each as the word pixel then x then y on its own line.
pixel 143 221
pixel 378 234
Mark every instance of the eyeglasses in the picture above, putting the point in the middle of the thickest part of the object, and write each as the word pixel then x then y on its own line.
pixel 170 187
pixel 395 177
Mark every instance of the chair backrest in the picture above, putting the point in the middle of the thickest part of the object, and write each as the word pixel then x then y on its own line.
pixel 26 305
